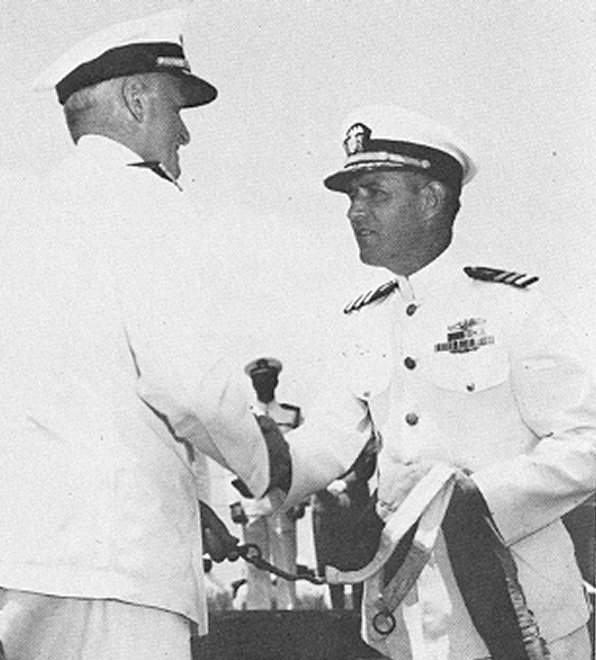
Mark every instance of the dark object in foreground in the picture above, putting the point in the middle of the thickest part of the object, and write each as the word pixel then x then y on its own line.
pixel 283 635
pixel 486 576
pixel 252 554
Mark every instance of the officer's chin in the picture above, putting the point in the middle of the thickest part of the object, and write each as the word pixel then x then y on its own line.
pixel 173 166
pixel 176 171
pixel 368 257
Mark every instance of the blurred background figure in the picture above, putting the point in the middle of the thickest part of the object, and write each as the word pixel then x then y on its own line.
pixel 310 596
pixel 275 533
pixel 219 597
pixel 337 518
pixel 239 594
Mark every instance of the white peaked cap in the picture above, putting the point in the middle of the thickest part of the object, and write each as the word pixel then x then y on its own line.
pixel 387 137
pixel 152 43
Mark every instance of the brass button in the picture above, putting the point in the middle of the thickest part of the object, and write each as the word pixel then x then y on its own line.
pixel 410 363
pixel 411 309
pixel 412 419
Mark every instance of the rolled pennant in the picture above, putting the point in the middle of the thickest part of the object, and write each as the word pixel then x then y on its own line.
pixel 534 644
pixel 426 504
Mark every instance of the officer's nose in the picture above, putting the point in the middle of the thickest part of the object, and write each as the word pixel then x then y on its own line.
pixel 184 134
pixel 357 208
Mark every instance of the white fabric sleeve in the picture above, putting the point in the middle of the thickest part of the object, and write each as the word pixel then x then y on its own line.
pixel 329 441
pixel 556 398
pixel 188 362
pixel 214 416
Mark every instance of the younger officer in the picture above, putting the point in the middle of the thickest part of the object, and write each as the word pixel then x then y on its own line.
pixel 458 366
pixel 107 315
pixel 274 533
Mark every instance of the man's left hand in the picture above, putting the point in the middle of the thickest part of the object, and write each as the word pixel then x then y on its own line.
pixel 296 512
pixel 218 543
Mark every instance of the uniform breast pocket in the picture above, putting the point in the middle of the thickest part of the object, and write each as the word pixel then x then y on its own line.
pixel 472 372
pixel 369 375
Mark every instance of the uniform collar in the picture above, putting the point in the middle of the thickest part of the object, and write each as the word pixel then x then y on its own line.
pixel 435 277
pixel 107 150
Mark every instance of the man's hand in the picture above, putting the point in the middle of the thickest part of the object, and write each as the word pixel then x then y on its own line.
pixel 464 482
pixel 398 482
pixel 218 543
pixel 343 500
pixel 296 512
pixel 338 489
pixel 280 463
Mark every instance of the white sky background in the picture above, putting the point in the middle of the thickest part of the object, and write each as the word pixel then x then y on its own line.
pixel 516 78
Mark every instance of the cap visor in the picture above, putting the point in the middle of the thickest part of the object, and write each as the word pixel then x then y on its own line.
pixel 196 90
pixel 340 180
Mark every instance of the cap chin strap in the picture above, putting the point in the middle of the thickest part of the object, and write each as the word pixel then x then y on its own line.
pixel 386 157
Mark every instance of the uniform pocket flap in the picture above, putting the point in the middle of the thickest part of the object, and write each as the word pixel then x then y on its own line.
pixel 470 372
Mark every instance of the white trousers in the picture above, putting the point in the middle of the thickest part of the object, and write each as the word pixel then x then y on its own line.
pixel 39 627
pixel 276 536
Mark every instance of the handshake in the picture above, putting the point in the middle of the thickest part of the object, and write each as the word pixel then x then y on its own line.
pixel 280 464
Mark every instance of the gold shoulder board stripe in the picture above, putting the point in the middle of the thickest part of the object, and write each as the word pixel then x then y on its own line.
pixel 519 280
pixel 371 296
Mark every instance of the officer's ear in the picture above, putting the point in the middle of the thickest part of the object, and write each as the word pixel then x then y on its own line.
pixel 433 196
pixel 134 94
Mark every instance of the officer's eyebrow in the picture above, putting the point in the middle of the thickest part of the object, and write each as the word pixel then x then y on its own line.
pixel 367 184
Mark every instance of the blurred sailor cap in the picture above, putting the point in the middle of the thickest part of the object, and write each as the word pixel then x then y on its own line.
pixel 262 365
pixel 390 137
pixel 150 44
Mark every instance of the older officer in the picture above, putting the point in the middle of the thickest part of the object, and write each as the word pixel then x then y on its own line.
pixel 109 316
pixel 462 366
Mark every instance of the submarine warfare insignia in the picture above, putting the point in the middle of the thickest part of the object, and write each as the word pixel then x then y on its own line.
pixel 465 336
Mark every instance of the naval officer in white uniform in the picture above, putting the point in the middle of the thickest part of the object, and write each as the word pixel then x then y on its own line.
pixel 454 363
pixel 109 315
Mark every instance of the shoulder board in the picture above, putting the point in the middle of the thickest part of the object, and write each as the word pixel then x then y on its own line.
pixel 371 296
pixel 519 280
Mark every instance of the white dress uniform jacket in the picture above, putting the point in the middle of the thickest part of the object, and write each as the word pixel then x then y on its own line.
pixel 109 301
pixel 519 410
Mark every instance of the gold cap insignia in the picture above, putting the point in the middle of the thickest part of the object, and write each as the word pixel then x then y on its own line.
pixel 356 138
